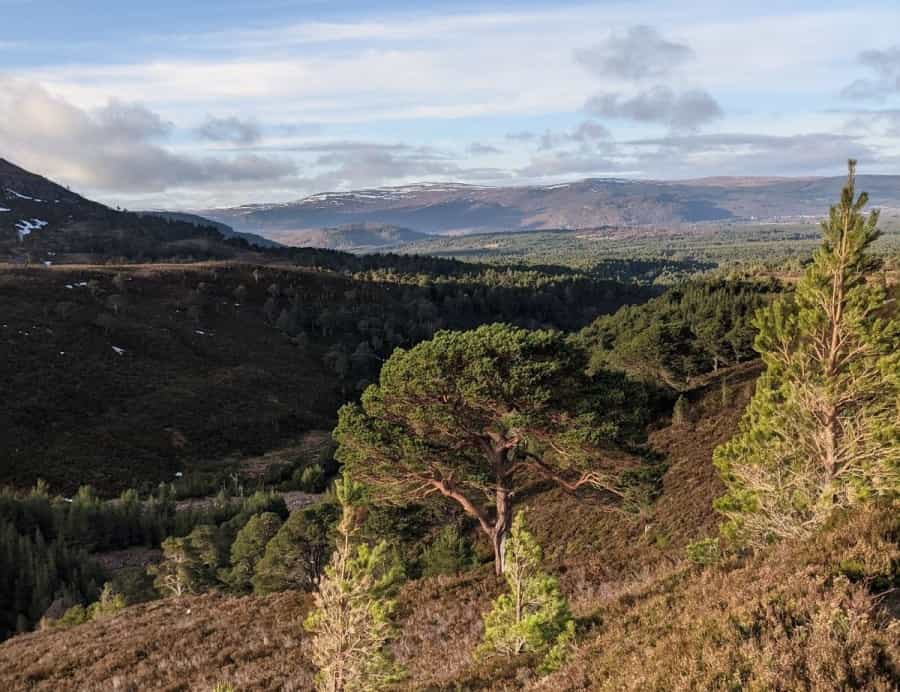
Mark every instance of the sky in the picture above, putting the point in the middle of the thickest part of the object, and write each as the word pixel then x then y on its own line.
pixel 196 104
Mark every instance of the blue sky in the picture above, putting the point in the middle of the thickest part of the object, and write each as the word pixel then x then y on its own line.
pixel 195 104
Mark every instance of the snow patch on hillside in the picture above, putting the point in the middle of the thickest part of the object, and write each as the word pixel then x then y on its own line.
pixel 21 196
pixel 25 227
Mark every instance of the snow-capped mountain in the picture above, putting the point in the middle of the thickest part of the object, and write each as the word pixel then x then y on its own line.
pixel 452 208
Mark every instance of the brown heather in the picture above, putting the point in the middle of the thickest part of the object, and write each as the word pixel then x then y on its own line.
pixel 787 619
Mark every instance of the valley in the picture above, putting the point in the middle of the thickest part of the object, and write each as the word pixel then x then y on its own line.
pixel 189 404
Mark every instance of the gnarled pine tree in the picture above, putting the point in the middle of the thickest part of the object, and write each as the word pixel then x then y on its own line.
pixel 472 416
pixel 823 429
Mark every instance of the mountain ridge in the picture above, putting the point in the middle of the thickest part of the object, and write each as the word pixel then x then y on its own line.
pixel 455 209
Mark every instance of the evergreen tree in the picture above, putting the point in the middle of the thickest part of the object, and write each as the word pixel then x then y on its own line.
pixel 449 553
pixel 249 547
pixel 534 615
pixel 351 624
pixel 823 429
pixel 297 555
pixel 176 574
pixel 478 414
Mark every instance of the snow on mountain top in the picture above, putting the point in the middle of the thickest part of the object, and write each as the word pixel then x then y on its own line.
pixel 386 193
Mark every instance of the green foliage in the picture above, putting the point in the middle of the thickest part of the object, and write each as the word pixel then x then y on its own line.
pixel 822 431
pixel 189 563
pixel 249 547
pixel 534 615
pixel 74 616
pixel 562 648
pixel 448 553
pixel 692 329
pixel 298 553
pixel 109 604
pixel 704 551
pixel 310 479
pixel 351 624
pixel 468 414
pixel 38 564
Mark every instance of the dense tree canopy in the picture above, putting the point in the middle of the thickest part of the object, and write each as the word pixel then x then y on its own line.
pixel 471 415
pixel 691 329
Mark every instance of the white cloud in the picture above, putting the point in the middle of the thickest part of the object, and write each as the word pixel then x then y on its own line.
pixel 114 147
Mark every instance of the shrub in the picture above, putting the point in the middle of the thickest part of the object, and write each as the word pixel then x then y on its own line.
pixel 704 552
pixel 533 616
pixel 448 553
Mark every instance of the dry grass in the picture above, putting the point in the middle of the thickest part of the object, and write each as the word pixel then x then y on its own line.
pixel 785 620
pixel 253 643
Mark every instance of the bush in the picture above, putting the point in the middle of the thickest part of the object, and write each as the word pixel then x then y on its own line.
pixel 704 551
pixel 310 479
pixel 448 553
pixel 533 616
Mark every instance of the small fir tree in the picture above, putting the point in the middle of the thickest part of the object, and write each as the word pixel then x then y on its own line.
pixel 822 431
pixel 448 553
pixel 351 624
pixel 533 616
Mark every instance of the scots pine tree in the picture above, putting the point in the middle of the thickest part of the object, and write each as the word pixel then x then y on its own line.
pixel 533 616
pixel 249 547
pixel 351 625
pixel 297 555
pixel 822 431
pixel 475 416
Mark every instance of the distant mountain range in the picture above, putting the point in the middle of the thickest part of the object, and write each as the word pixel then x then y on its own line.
pixel 458 209
pixel 359 237
pixel 41 219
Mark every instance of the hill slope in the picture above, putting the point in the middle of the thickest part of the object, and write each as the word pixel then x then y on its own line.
pixel 41 221
pixel 454 208
pixel 357 237
pixel 786 619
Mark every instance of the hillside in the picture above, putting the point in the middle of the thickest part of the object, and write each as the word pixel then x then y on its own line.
pixel 358 237
pixel 41 221
pixel 258 643
pixel 454 209
pixel 125 374
pixel 226 230
pixel 635 597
